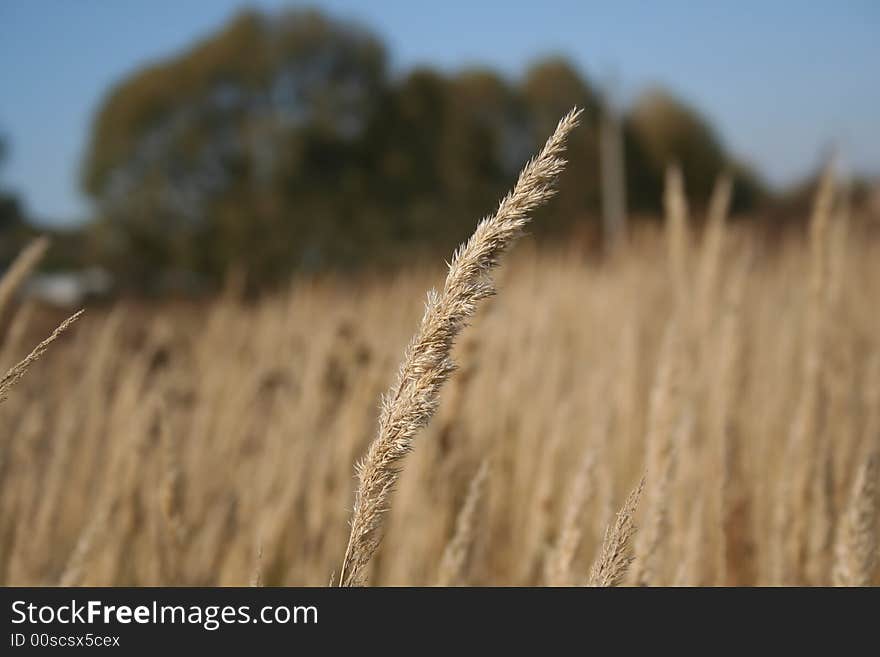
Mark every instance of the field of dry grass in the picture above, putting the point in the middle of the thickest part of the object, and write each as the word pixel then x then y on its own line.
pixel 215 446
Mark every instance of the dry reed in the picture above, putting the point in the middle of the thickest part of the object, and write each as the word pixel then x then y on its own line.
pixel 20 269
pixel 159 440
pixel 856 553
pixel 413 399
pixel 14 374
pixel 614 559
pixel 453 566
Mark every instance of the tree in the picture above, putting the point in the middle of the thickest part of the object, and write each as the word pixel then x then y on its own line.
pixel 189 157
pixel 281 143
pixel 664 130
pixel 550 88
pixel 14 230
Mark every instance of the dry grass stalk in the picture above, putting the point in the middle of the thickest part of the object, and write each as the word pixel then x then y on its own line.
pixel 690 563
pixel 678 239
pixel 453 565
pixel 792 517
pixel 871 399
pixel 735 547
pixel 614 559
pixel 172 538
pixel 15 334
pixel 709 267
pixel 85 547
pixel 559 565
pixel 249 389
pixel 648 557
pixel 17 371
pixel 257 575
pixel 667 390
pixel 856 549
pixel 427 364
pixel 838 386
pixel 20 269
pixel 664 406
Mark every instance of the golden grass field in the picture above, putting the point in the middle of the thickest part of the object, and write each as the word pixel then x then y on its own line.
pixel 215 445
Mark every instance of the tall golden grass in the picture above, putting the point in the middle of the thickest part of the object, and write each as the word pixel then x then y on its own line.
pixel 697 409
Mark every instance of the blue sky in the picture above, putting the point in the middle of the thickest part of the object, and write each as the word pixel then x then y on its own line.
pixel 781 81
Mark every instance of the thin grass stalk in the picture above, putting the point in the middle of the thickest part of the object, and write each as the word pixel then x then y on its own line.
pixel 20 269
pixel 453 565
pixel 614 557
pixel 14 374
pixel 427 364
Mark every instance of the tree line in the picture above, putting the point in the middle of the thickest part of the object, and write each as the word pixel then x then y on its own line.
pixel 284 142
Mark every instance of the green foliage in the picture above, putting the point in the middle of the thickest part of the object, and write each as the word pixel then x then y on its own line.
pixel 282 143
pixel 550 88
pixel 14 230
pixel 661 131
